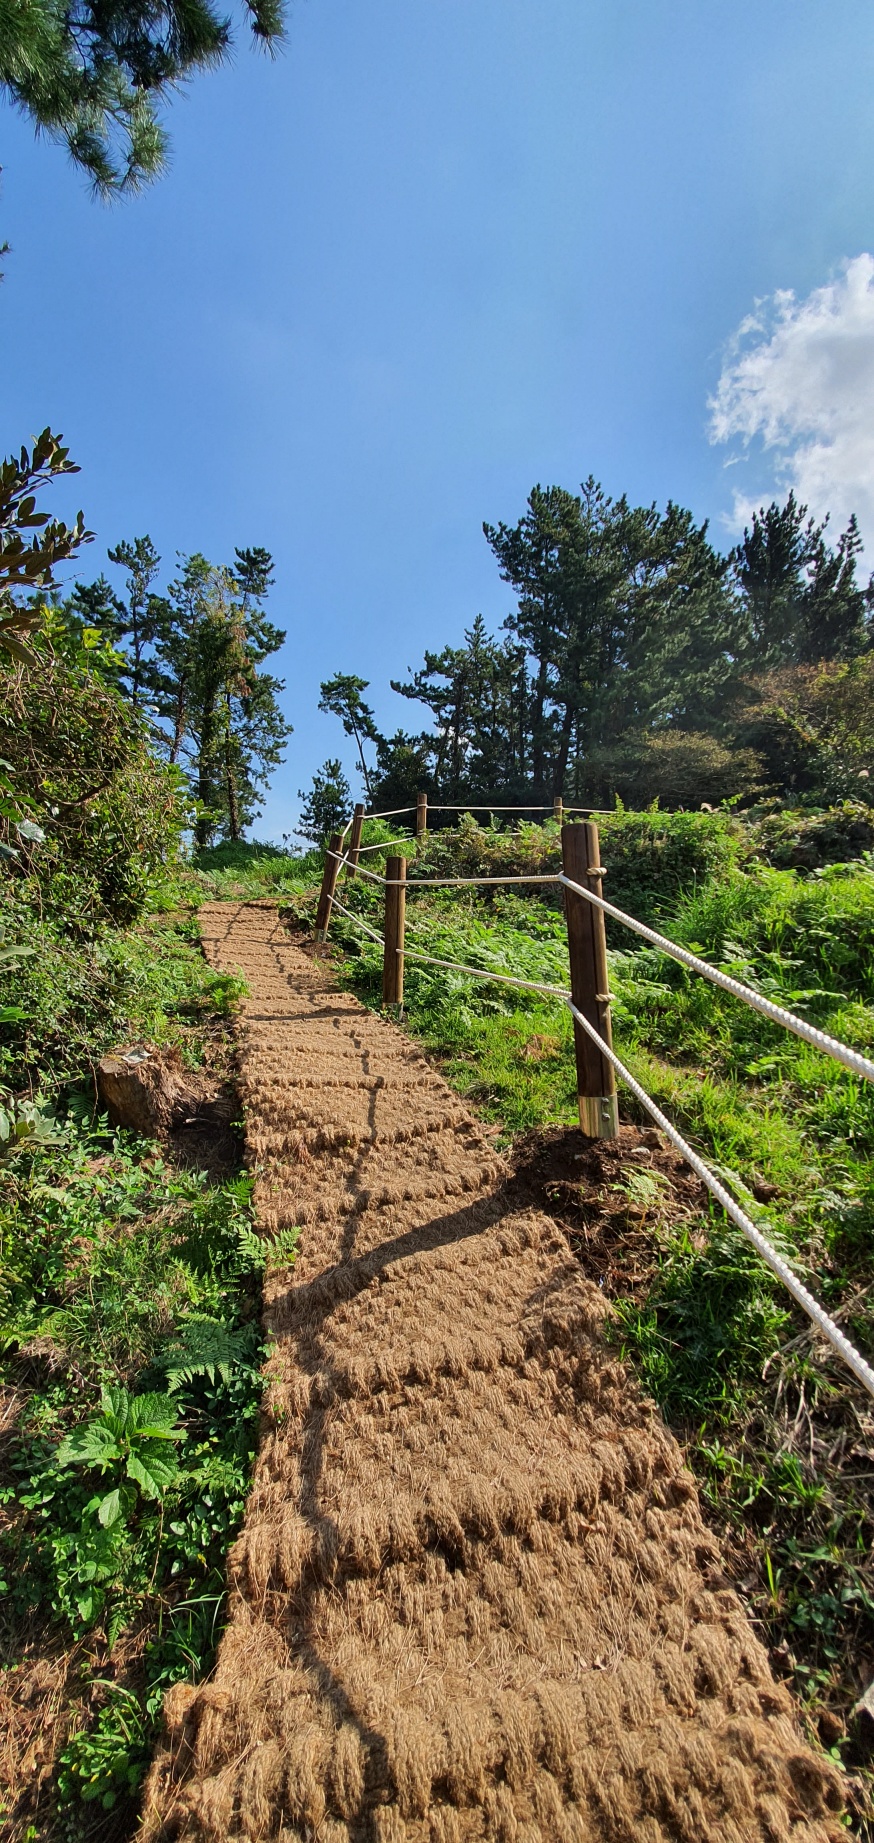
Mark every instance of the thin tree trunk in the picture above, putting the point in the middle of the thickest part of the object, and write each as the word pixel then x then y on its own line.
pixel 180 721
pixel 364 771
pixel 231 786
pixel 564 743
pixel 204 763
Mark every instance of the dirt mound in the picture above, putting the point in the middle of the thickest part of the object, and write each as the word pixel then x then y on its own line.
pixel 473 1597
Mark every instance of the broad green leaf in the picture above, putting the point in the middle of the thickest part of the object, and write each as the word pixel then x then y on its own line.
pixel 114 1405
pixel 153 1417
pixel 94 1444
pixel 109 1510
pixel 153 1471
pixel 116 1506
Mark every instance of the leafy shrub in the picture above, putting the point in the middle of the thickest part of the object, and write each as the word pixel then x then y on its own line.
pixel 675 767
pixel 130 1438
pixel 793 839
pixel 106 1762
pixel 812 727
pixel 88 814
pixel 120 1276
pixel 76 996
pixel 654 858
pixel 651 858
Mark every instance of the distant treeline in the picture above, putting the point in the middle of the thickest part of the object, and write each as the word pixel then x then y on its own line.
pixel 637 661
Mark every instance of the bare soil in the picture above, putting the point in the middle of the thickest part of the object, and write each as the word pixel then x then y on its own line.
pixel 474 1596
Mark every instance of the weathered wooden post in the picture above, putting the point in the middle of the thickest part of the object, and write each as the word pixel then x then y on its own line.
pixel 421 815
pixel 587 947
pixel 395 917
pixel 354 841
pixel 557 808
pixel 329 884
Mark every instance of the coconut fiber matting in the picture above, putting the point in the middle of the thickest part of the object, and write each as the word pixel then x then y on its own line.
pixel 473 1596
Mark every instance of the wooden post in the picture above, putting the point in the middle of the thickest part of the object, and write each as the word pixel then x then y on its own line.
pixel 329 884
pixel 421 815
pixel 557 808
pixel 395 917
pixel 587 947
pixel 354 841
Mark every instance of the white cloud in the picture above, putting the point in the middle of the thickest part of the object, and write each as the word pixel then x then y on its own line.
pixel 798 381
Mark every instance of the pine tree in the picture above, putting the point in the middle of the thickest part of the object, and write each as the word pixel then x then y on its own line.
pixel 93 75
pixel 327 805
pixel 343 696
pixel 140 620
pixel 801 598
pixel 192 658
pixel 227 726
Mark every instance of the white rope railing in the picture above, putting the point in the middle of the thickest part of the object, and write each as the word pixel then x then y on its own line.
pixel 477 972
pixel 419 883
pixel 780 1267
pixel 851 1058
pixel 378 938
pixel 451 883
pixel 778 1014
pixel 462 806
pixel 394 812
pixel 768 1252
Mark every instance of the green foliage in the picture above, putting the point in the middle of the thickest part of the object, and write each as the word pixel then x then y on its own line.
pixel 676 767
pixel 796 840
pixel 193 658
pixel 205 1347
pixel 95 80
pixel 120 1274
pixel 27 563
pixel 89 815
pixel 128 1437
pixel 802 600
pixel 711 1314
pixel 639 664
pixel 651 857
pixel 327 805
pixel 343 696
pixel 76 996
pixel 101 1764
pixel 812 729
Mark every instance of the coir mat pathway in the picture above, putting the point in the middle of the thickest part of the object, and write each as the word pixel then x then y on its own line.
pixel 473 1597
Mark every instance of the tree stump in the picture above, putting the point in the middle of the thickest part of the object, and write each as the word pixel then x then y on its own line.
pixel 140 1089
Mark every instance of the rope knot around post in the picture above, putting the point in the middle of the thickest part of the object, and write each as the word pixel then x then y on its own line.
pixel 590 984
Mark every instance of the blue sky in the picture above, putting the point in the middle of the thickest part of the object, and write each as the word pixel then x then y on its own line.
pixel 435 252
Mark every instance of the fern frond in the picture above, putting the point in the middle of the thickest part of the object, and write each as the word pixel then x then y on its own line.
pixel 205 1347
